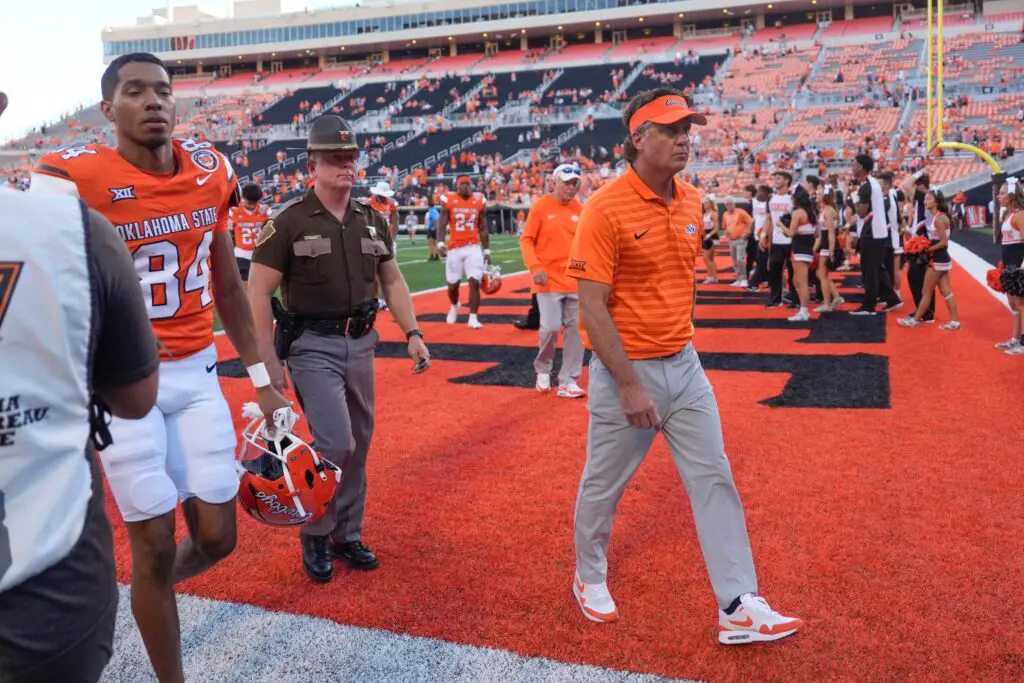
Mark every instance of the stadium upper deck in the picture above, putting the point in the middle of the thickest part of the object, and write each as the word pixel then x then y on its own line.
pixel 774 81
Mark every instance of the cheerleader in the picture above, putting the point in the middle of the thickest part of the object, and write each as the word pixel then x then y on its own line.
pixel 801 229
pixel 824 247
pixel 941 264
pixel 710 233
pixel 1011 200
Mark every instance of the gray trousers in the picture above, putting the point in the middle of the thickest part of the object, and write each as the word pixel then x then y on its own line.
pixel 738 252
pixel 691 425
pixel 334 376
pixel 559 311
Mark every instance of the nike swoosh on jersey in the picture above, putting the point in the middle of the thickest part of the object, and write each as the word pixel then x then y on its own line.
pixel 211 368
pixel 202 181
pixel 638 235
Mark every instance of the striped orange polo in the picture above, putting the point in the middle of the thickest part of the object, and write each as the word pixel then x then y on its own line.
pixel 645 250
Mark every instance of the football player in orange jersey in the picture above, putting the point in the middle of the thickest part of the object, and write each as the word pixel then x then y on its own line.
pixel 467 246
pixel 381 201
pixel 245 222
pixel 169 199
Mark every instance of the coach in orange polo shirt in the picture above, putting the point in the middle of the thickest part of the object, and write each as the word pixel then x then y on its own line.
pixel 633 256
pixel 546 240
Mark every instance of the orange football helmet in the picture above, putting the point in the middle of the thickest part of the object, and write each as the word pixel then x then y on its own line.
pixel 491 282
pixel 283 482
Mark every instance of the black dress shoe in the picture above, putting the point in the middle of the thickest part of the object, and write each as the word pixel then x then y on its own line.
pixel 525 325
pixel 355 554
pixel 316 560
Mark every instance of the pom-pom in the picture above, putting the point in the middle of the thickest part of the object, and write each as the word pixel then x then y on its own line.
pixel 1012 281
pixel 917 245
pixel 993 277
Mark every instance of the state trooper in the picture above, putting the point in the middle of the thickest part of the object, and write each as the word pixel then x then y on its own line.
pixel 325 250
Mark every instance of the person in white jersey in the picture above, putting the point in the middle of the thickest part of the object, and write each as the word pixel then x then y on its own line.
pixel 759 212
pixel 69 302
pixel 780 245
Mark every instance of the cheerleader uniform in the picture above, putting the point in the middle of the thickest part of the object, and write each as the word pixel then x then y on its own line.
pixel 803 243
pixel 709 228
pixel 941 261
pixel 1013 244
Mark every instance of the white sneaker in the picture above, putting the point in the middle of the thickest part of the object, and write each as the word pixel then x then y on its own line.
pixel 1017 350
pixel 453 315
pixel 801 316
pixel 710 281
pixel 474 324
pixel 1010 343
pixel 742 283
pixel 824 308
pixel 543 382
pixel 754 622
pixel 571 390
pixel 952 325
pixel 837 302
pixel 595 601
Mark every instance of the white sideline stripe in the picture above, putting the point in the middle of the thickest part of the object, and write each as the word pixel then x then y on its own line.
pixel 976 267
pixel 493 251
pixel 422 291
pixel 226 642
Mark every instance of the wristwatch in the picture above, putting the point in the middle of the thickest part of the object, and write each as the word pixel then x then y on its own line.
pixel 413 333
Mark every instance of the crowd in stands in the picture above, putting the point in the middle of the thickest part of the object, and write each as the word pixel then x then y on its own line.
pixel 754 128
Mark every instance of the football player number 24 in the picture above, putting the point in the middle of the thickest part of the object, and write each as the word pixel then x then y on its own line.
pixel 158 265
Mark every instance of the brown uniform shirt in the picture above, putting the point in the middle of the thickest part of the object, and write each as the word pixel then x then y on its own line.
pixel 328 267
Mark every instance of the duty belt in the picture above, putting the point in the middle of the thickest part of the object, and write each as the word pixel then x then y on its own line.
pixel 352 326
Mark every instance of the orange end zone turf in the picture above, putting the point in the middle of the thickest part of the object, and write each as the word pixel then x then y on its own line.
pixel 894 531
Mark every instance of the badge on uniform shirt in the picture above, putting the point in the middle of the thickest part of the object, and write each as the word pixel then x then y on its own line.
pixel 266 232
pixel 373 231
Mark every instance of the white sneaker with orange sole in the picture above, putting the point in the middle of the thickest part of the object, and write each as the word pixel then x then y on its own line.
pixel 571 390
pixel 754 622
pixel 543 382
pixel 595 601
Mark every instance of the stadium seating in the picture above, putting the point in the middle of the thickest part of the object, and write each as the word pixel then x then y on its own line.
pixel 867 26
pixel 782 34
pixel 753 113
pixel 884 61
pixel 286 108
pixel 984 58
pixel 837 128
pixel 755 75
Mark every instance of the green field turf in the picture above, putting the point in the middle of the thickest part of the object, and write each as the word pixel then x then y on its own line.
pixel 421 274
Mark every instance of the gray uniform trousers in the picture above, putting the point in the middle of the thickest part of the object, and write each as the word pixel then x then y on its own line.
pixel 691 425
pixel 334 375
pixel 559 311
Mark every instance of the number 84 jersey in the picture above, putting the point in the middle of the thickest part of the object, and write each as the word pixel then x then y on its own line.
pixel 167 223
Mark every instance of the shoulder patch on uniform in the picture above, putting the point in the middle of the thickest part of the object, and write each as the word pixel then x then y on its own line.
pixel 284 207
pixel 266 232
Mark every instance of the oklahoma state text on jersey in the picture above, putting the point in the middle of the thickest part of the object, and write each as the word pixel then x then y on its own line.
pixel 464 216
pixel 246 226
pixel 166 221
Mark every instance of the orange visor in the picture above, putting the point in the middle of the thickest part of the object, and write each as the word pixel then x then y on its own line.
pixel 668 109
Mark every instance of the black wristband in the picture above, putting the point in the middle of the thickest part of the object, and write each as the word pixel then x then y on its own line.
pixel 413 333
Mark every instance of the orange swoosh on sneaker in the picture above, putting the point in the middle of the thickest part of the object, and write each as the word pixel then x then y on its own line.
pixel 745 623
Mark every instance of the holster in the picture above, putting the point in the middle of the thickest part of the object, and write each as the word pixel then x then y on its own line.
pixel 360 324
pixel 286 331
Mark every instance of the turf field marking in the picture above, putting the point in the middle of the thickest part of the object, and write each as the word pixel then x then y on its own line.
pixel 976 267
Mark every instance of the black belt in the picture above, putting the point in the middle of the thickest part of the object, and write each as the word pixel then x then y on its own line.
pixel 354 327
